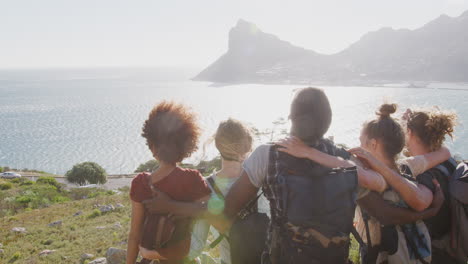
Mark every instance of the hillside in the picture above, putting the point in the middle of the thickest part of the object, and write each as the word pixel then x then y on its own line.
pixel 435 52
pixel 76 231
pixel 41 222
pixel 83 230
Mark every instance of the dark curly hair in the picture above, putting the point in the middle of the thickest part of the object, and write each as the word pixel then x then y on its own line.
pixel 431 126
pixel 388 130
pixel 171 132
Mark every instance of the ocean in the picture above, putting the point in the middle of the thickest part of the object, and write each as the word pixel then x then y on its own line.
pixel 51 119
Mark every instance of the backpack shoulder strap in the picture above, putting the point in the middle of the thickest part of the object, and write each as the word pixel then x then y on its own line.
pixel 249 207
pixel 365 218
pixel 443 169
pixel 358 237
pixel 215 187
pixel 411 243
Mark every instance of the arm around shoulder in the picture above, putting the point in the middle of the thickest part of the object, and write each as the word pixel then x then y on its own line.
pixel 388 214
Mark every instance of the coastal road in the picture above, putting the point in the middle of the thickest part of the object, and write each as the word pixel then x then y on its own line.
pixel 114 182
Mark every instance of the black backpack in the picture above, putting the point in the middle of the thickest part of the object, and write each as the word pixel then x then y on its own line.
pixel 248 233
pixel 458 198
pixel 312 208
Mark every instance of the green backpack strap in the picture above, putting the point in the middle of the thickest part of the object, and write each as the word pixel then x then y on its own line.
pixel 215 187
pixel 218 192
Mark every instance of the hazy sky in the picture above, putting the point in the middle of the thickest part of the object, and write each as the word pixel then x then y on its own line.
pixel 49 33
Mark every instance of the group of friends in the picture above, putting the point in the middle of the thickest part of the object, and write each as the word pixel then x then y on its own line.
pixel 395 204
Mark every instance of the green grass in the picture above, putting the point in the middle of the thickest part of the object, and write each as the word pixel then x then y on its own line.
pixel 19 195
pixel 77 235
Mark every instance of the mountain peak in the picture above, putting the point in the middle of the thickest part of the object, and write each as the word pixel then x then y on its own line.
pixel 244 26
pixel 464 14
pixel 385 54
pixel 241 22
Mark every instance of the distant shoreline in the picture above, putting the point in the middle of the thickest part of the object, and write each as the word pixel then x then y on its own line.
pixel 383 84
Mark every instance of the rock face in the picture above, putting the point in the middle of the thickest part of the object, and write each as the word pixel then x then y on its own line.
pixel 116 256
pixel 46 252
pixel 19 230
pixel 55 224
pixel 435 52
pixel 106 208
pixel 86 256
pixel 78 213
pixel 98 261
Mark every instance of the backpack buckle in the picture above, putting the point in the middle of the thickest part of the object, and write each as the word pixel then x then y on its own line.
pixel 299 238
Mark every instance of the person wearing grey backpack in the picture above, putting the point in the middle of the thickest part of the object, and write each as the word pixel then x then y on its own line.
pixel 312 206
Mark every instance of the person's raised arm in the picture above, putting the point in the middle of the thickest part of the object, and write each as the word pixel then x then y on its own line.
pixel 417 196
pixel 421 163
pixel 366 178
pixel 388 214
pixel 295 147
pixel 135 234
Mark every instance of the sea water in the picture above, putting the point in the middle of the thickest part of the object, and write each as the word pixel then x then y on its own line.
pixel 51 119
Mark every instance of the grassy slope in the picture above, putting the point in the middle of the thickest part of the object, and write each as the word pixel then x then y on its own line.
pixel 77 235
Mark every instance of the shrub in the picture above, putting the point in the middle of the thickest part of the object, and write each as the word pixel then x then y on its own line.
pixel 5 185
pixel 124 189
pixel 26 182
pixel 22 181
pixel 87 173
pixel 49 181
pixel 210 165
pixel 15 257
pixel 1 169
pixel 85 193
pixel 38 196
pixel 24 199
pixel 80 193
pixel 95 213
pixel 150 165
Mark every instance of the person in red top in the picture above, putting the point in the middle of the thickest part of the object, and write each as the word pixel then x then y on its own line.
pixel 172 134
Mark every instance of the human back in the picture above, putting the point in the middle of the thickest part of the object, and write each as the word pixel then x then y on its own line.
pixel 427 129
pixel 384 138
pixel 171 133
pixel 312 208
pixel 306 226
pixel 233 140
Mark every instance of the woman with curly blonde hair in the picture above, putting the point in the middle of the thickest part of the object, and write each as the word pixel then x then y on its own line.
pixel 427 130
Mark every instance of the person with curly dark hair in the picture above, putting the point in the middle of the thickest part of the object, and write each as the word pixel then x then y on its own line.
pixel 171 132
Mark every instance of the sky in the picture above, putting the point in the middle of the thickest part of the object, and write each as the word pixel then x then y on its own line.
pixel 99 33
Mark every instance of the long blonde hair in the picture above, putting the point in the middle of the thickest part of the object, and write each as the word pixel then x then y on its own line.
pixel 233 140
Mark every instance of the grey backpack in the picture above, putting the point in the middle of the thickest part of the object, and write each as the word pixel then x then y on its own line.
pixel 458 189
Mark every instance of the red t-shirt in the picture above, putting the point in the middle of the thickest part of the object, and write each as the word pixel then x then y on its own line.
pixel 185 185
